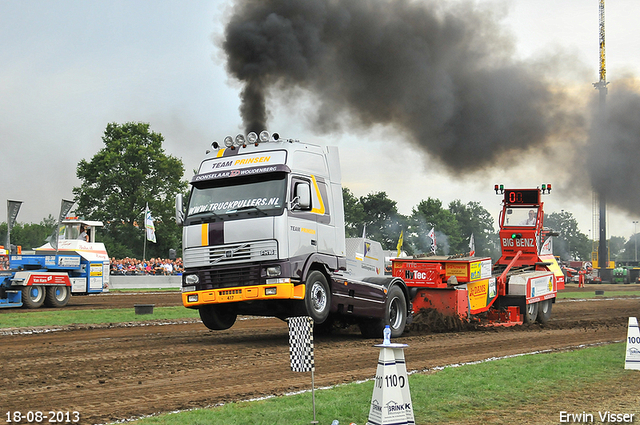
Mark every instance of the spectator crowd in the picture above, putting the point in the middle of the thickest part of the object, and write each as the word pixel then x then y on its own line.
pixel 153 266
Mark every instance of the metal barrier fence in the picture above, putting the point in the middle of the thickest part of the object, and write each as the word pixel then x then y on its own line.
pixel 145 282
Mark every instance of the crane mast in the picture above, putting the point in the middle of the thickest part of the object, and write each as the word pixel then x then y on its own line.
pixel 603 66
pixel 601 86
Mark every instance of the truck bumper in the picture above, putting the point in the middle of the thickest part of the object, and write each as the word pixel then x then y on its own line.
pixel 278 291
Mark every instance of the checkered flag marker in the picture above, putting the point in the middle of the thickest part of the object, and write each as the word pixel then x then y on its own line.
pixel 301 351
pixel 301 344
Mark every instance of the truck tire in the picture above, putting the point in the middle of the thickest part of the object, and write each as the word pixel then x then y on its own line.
pixel 218 317
pixel 544 311
pixel 33 296
pixel 317 298
pixel 395 315
pixel 530 313
pixel 57 296
pixel 396 311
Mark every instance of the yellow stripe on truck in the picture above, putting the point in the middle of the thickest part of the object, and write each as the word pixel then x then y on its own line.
pixel 284 291
pixel 320 210
pixel 204 234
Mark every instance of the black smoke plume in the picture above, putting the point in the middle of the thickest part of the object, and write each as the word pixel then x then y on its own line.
pixel 442 73
pixel 613 150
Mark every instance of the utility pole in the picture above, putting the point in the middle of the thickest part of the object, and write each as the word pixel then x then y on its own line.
pixel 601 86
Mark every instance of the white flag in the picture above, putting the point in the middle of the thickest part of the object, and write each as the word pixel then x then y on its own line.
pixel 472 246
pixel 148 224
pixel 432 235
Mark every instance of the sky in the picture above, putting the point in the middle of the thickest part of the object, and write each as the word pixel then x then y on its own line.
pixel 71 67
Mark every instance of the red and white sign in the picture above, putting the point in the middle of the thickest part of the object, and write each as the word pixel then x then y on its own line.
pixel 48 279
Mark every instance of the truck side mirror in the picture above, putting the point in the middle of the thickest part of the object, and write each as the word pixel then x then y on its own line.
pixel 302 200
pixel 179 210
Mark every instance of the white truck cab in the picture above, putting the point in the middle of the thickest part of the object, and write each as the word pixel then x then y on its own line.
pixel 263 234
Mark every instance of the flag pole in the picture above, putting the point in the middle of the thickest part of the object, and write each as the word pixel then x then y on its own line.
pixel 144 229
pixel 313 396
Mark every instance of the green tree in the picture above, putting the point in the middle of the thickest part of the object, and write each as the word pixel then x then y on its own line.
pixel 474 219
pixel 29 235
pixel 631 248
pixel 429 214
pixel 382 219
pixel 353 214
pixel 570 244
pixel 375 211
pixel 131 171
pixel 617 249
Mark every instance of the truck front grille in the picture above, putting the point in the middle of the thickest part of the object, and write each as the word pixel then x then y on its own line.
pixel 231 253
pixel 225 277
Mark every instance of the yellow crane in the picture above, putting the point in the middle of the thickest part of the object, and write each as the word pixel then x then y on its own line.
pixel 602 83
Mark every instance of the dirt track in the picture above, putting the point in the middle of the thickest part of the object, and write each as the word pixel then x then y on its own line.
pixel 114 372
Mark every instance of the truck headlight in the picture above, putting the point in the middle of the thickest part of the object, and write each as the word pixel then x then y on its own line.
pixel 190 288
pixel 274 271
pixel 191 279
pixel 192 298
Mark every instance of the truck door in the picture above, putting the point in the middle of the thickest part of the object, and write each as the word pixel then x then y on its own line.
pixel 303 228
pixel 321 200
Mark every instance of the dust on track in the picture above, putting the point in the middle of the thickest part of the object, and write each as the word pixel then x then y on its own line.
pixel 119 371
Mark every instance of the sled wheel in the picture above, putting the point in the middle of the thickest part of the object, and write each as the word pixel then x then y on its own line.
pixel 530 313
pixel 544 311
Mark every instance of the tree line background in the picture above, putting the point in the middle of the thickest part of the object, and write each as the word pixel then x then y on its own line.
pixel 132 170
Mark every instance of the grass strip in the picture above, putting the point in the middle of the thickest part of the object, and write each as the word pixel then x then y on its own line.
pixel 63 317
pixel 455 394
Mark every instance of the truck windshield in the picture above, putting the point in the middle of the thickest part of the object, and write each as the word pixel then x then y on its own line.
pixel 237 198
pixel 521 216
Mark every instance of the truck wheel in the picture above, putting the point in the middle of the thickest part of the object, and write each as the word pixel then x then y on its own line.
pixel 530 313
pixel 32 296
pixel 544 311
pixel 395 315
pixel 57 296
pixel 317 299
pixel 396 311
pixel 218 317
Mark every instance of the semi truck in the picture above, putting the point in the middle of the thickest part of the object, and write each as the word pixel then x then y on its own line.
pixel 263 234
pixel 49 276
